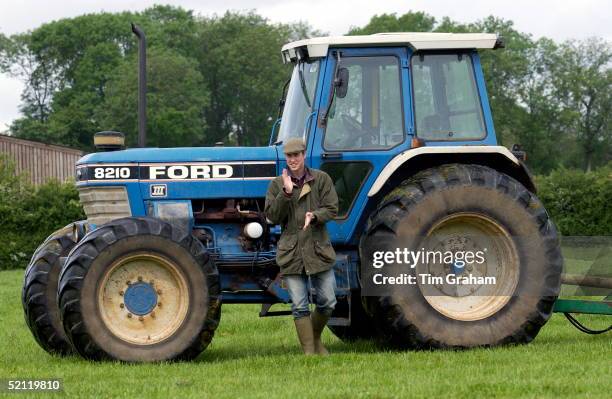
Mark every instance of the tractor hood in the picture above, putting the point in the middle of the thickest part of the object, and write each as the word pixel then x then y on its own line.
pixel 161 165
pixel 185 154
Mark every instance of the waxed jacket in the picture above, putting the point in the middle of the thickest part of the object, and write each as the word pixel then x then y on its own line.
pixel 300 250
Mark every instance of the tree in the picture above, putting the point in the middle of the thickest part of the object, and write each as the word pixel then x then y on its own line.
pixel 70 65
pixel 240 60
pixel 582 81
pixel 20 60
pixel 176 98
pixel 409 22
pixel 66 65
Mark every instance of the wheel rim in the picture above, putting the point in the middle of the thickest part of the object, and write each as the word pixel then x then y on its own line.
pixel 471 232
pixel 143 298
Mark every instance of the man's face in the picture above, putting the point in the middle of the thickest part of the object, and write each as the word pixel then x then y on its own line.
pixel 295 161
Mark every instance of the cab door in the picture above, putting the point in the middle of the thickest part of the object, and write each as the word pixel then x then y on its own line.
pixel 365 129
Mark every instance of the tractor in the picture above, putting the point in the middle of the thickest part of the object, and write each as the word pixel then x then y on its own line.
pixel 402 124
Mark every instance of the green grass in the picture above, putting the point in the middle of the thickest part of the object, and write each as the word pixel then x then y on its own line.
pixel 252 357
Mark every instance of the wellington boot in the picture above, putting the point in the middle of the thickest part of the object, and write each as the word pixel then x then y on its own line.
pixel 303 326
pixel 319 321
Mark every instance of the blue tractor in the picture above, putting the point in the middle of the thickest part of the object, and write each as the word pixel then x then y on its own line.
pixel 402 124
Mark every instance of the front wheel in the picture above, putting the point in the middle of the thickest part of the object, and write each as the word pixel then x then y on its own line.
pixel 142 290
pixel 460 209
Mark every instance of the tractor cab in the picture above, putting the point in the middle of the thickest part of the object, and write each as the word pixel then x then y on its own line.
pixel 361 101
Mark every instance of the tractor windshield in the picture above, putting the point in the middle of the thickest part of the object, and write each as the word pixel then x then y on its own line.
pixel 298 105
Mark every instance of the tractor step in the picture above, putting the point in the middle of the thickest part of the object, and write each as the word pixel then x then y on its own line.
pixel 265 311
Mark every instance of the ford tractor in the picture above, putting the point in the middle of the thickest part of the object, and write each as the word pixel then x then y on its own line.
pixel 402 124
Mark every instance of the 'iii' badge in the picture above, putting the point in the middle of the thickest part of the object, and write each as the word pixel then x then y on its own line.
pixel 159 190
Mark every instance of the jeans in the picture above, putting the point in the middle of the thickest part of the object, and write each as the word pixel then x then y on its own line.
pixel 324 284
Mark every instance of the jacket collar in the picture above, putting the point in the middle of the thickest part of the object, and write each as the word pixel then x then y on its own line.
pixel 308 176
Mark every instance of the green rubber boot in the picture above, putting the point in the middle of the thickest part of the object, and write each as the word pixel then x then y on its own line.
pixel 319 321
pixel 303 326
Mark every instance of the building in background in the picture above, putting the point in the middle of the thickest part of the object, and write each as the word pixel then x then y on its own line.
pixel 40 162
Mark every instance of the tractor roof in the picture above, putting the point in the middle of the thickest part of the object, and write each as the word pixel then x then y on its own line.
pixel 317 47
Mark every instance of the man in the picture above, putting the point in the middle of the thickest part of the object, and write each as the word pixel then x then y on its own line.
pixel 302 200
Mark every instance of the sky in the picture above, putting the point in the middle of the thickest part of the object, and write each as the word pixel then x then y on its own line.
pixel 559 20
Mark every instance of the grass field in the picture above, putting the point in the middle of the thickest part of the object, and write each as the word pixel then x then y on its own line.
pixel 259 358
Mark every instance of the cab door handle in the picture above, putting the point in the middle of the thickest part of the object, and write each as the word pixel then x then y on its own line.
pixel 332 155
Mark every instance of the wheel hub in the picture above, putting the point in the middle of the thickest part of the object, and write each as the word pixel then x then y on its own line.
pixel 140 298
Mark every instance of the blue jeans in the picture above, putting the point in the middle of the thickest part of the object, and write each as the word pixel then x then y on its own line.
pixel 324 284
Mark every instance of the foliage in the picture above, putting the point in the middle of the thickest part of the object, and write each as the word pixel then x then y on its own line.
pixel 210 79
pixel 239 58
pixel 175 93
pixel 29 215
pixel 582 83
pixel 579 202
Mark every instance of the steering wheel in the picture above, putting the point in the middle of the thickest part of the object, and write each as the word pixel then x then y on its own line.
pixel 356 131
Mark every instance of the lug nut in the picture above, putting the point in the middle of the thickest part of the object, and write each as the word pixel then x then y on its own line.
pixel 141 318
pixel 121 293
pixel 139 278
pixel 121 305
pixel 159 304
pixel 153 314
pixel 129 315
pixel 128 282
pixel 158 292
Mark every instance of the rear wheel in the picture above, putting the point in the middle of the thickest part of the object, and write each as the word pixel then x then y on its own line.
pixel 140 289
pixel 39 293
pixel 461 208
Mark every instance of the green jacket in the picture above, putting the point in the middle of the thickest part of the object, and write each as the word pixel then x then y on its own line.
pixel 309 250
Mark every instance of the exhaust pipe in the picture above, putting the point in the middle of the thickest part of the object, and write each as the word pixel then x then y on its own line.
pixel 142 85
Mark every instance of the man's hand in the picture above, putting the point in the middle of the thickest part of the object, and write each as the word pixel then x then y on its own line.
pixel 307 219
pixel 287 183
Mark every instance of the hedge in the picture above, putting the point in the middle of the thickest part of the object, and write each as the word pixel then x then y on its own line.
pixel 579 203
pixel 29 214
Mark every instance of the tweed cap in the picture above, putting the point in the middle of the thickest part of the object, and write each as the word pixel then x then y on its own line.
pixel 294 145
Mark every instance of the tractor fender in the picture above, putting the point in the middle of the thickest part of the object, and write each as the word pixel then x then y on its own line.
pixel 497 157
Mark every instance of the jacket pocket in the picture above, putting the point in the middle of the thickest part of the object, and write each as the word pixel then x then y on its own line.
pixel 285 249
pixel 325 251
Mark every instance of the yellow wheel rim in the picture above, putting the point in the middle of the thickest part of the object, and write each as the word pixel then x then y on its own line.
pixel 471 232
pixel 143 298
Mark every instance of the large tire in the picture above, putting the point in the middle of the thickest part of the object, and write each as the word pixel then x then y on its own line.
pixel 115 281
pixel 39 293
pixel 361 327
pixel 466 198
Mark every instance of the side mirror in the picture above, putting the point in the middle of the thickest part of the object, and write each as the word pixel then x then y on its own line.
pixel 341 82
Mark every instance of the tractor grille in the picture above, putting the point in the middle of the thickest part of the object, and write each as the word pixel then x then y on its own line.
pixel 103 204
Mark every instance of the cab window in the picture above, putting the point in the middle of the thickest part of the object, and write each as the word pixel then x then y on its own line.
pixel 446 100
